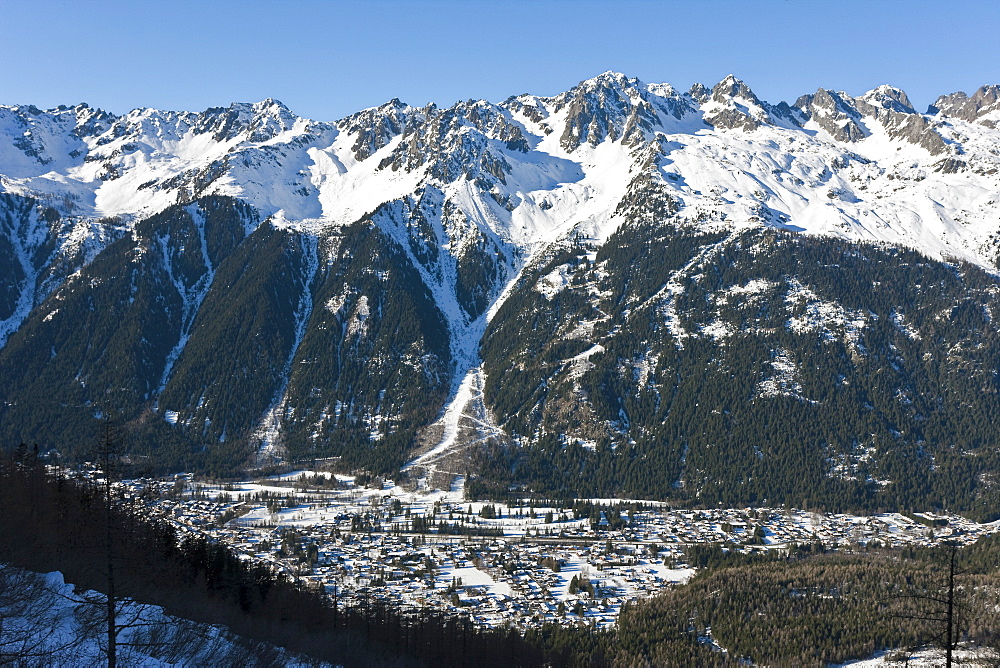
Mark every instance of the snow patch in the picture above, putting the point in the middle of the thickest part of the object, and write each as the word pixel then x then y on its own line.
pixel 827 318
pixel 555 281
pixel 785 379
pixel 899 321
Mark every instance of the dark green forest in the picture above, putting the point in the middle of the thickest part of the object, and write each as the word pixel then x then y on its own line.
pixel 735 367
pixel 210 315
pixel 890 400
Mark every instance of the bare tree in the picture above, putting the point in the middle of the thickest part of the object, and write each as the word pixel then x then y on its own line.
pixel 30 616
pixel 43 623
pixel 939 607
pixel 118 613
pixel 125 624
pixel 109 455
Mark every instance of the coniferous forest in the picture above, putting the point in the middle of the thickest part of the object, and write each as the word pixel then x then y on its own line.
pixel 778 369
pixel 752 366
pixel 783 369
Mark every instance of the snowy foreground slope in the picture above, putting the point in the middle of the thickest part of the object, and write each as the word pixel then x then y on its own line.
pixel 49 622
pixel 244 276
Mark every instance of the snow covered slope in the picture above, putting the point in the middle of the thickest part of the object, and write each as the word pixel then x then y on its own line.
pixel 48 622
pixel 531 168
pixel 360 265
pixel 521 174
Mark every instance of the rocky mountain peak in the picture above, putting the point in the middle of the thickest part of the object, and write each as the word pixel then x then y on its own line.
pixel 251 122
pixel 663 90
pixel 260 121
pixel 700 93
pixel 91 122
pixel 891 107
pixel 835 112
pixel 607 81
pixel 733 105
pixel 463 140
pixel 270 103
pixel 830 101
pixel 984 102
pixel 608 106
pixel 889 97
pixel 375 127
pixel 40 141
pixel 730 88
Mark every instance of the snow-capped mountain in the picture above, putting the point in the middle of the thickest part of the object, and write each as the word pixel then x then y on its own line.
pixel 246 276
pixel 880 156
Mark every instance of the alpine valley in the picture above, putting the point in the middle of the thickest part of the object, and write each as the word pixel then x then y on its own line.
pixel 620 291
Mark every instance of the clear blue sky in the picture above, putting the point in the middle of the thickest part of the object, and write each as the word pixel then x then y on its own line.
pixel 328 59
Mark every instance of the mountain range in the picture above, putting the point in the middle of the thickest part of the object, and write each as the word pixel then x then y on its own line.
pixel 619 290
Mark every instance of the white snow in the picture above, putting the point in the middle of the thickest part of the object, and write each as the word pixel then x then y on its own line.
pixel 744 293
pixel 191 296
pixel 783 381
pixel 718 330
pixel 555 281
pixel 473 577
pixel 306 177
pixel 25 243
pixel 899 320
pixel 924 657
pixel 830 318
pixel 307 173
pixel 53 623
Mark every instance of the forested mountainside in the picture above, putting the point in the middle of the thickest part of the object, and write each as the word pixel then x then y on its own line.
pixel 203 326
pixel 752 367
pixel 620 289
pixel 813 609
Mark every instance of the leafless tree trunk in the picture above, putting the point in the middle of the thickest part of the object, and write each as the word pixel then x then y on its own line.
pixel 109 454
pixel 942 609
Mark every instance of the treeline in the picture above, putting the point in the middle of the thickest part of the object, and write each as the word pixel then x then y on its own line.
pixel 54 523
pixel 421 524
